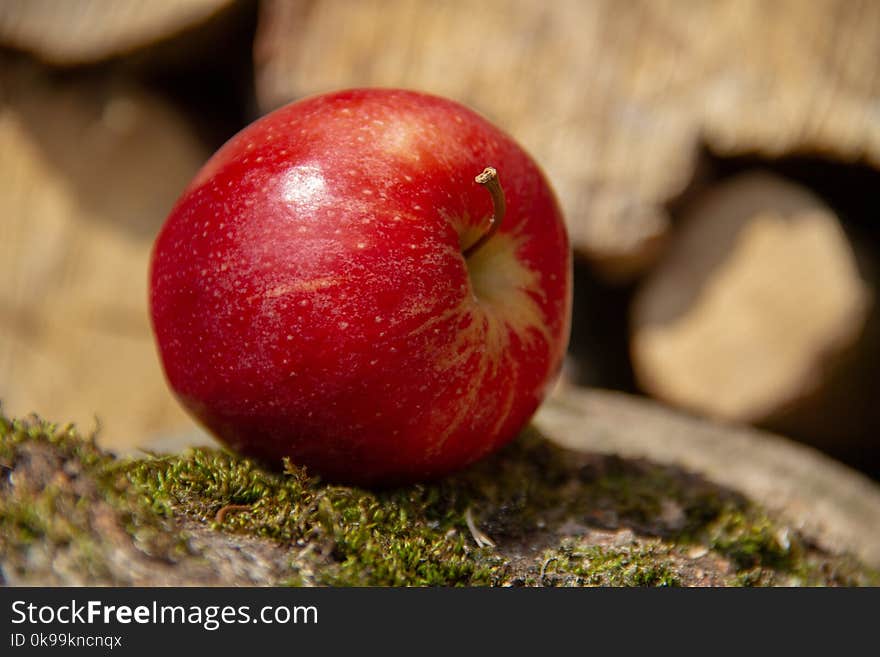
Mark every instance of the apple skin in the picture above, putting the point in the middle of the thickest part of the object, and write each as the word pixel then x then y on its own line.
pixel 310 297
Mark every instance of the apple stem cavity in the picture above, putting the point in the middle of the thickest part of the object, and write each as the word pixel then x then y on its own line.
pixel 489 179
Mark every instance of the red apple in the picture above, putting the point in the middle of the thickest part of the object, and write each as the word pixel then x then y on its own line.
pixel 321 289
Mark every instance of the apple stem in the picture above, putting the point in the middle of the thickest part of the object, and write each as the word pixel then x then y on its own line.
pixel 489 179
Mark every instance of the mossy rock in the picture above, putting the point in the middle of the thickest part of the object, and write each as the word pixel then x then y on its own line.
pixel 534 514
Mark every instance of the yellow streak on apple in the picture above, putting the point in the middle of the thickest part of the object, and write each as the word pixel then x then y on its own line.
pixel 500 300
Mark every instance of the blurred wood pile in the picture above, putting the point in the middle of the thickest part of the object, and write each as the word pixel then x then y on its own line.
pixel 87 31
pixel 87 172
pixel 754 308
pixel 612 99
pixel 752 299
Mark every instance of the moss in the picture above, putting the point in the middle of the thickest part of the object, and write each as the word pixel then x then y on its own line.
pixel 64 486
pixel 751 539
pixel 574 564
pixel 531 493
pixel 766 553
pixel 398 537
pixel 66 440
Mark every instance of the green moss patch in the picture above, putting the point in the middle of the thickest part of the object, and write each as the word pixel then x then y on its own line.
pixel 556 518
pixel 576 564
pixel 66 506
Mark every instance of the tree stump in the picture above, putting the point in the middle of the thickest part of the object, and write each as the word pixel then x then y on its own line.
pixel 837 506
pixel 535 514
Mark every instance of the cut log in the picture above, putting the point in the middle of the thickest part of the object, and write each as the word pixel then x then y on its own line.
pixel 87 176
pixel 839 507
pixel 84 31
pixel 755 308
pixel 612 99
